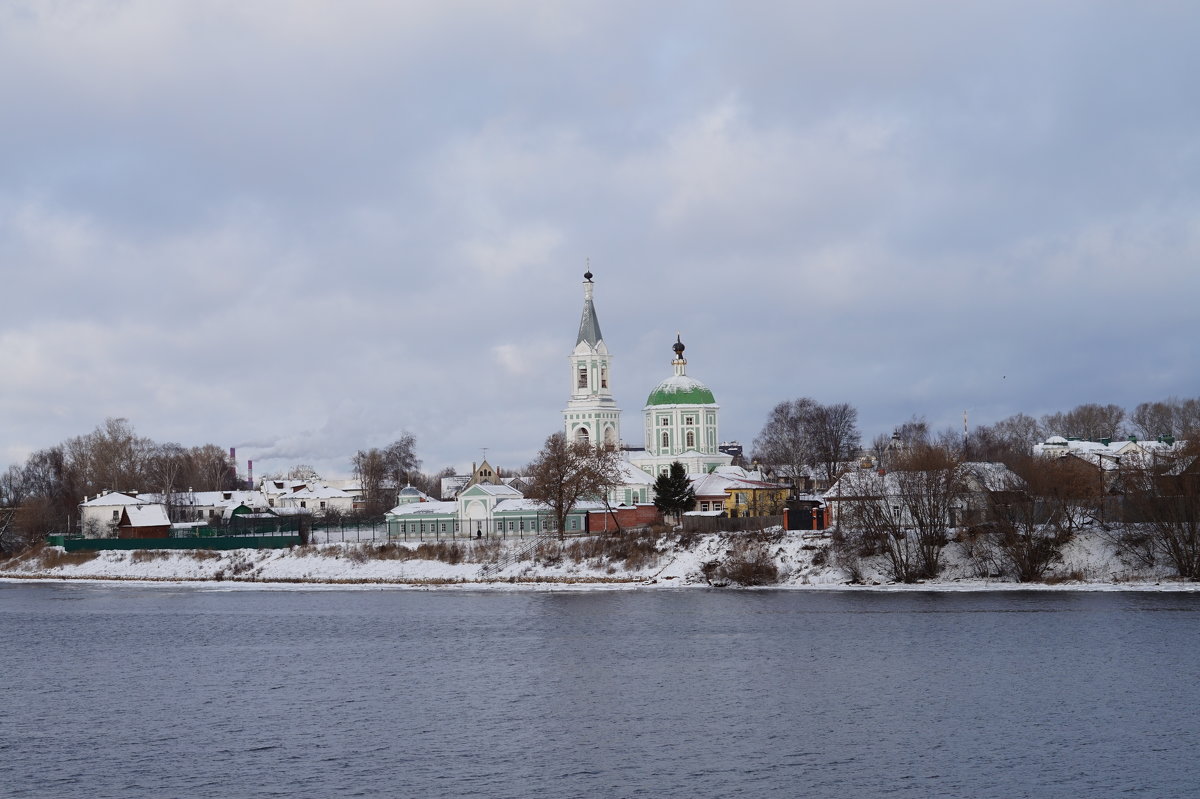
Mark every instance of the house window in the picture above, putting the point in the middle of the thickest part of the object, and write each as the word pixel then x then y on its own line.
pixel 510 527
pixel 691 440
pixel 522 525
pixel 322 504
pixel 689 420
pixel 271 502
pixel 663 421
pixel 116 516
pixel 443 527
pixel 422 527
pixel 666 440
pixel 582 377
pixel 303 504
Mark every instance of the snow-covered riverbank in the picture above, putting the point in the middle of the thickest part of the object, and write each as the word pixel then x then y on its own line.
pixel 794 560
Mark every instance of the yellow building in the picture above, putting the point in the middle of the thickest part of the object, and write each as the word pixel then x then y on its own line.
pixel 754 498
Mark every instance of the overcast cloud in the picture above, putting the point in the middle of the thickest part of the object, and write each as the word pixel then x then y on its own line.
pixel 301 228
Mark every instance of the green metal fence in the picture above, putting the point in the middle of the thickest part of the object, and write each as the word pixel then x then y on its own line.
pixel 190 542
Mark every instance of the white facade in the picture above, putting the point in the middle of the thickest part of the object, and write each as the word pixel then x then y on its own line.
pixel 100 515
pixel 591 415
pixel 681 422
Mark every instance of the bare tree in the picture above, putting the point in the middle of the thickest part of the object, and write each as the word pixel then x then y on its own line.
pixel 1068 490
pixel 1166 497
pixel 1006 441
pixel 1020 528
pixel 166 465
pixel 907 511
pixel 834 437
pixel 1169 417
pixel 803 433
pixel 302 471
pixel 211 468
pixel 1187 419
pixel 1152 419
pixel 784 439
pixel 1090 421
pixel 564 473
pixel 383 472
pixel 402 461
pixel 371 470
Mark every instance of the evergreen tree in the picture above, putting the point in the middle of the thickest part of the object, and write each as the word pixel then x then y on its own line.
pixel 673 492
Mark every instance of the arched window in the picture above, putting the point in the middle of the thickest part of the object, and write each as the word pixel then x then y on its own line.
pixel 691 440
pixel 666 439
pixel 581 435
pixel 603 376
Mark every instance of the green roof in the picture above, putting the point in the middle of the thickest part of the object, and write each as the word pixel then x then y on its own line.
pixel 681 390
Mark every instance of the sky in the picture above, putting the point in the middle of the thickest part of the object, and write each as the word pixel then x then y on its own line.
pixel 303 228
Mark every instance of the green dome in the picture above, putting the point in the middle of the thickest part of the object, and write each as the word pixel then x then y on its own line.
pixel 681 390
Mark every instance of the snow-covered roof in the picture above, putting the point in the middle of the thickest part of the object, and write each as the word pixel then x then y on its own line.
pixel 681 390
pixel 632 475
pixel 496 491
pixel 991 476
pixel 523 505
pixel 710 485
pixel 424 509
pixel 716 484
pixel 319 492
pixel 212 499
pixel 283 486
pixel 453 484
pixel 147 515
pixel 589 325
pixel 113 498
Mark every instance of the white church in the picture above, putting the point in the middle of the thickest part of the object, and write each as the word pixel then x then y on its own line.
pixel 681 418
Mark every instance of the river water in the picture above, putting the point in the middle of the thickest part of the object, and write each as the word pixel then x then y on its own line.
pixel 124 691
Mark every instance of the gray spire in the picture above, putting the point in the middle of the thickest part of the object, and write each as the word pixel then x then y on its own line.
pixel 589 325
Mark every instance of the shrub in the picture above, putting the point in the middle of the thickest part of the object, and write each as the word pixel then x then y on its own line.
pixel 148 555
pixel 748 562
pixel 53 557
pixel 636 549
pixel 447 553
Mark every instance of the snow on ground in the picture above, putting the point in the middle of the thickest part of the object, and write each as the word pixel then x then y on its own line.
pixel 798 561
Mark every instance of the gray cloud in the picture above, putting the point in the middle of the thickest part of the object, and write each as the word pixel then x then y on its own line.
pixel 304 228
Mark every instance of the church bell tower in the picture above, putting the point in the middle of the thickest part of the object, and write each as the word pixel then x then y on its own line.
pixel 591 415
